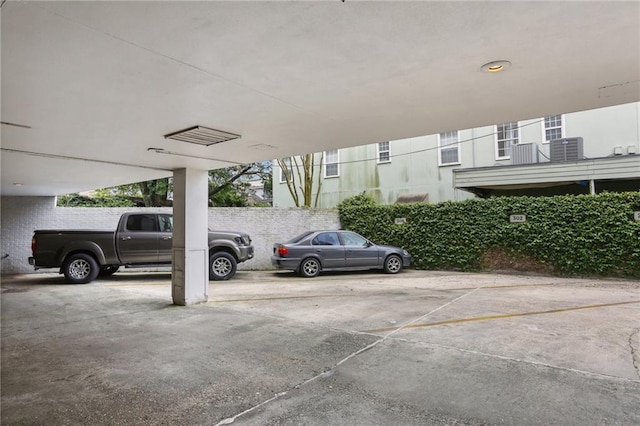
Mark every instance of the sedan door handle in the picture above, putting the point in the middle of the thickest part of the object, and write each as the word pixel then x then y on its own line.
pixel 125 238
pixel 166 238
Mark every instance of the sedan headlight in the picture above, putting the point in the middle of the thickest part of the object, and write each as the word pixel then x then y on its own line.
pixel 406 253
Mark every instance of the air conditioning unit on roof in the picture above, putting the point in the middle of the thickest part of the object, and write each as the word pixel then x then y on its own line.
pixel 566 149
pixel 524 153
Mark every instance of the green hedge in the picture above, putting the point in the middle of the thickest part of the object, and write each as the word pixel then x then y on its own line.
pixel 570 235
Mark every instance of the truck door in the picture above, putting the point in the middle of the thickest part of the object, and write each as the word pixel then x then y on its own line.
pixel 165 242
pixel 138 242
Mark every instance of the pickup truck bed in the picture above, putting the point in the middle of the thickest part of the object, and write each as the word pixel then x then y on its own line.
pixel 50 242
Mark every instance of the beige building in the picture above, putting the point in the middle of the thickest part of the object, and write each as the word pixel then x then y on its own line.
pixel 575 153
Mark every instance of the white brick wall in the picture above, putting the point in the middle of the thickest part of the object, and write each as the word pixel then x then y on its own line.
pixel 270 225
pixel 20 216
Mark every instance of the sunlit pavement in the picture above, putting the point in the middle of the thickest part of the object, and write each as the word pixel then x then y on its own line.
pixel 418 348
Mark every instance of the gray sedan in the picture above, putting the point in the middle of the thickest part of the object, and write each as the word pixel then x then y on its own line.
pixel 315 251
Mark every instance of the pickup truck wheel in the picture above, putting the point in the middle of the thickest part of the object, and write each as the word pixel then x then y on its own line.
pixel 222 266
pixel 80 268
pixel 108 270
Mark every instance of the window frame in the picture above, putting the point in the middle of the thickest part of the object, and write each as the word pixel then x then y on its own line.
pixel 161 221
pixel 138 218
pixel 344 238
pixel 283 179
pixel 315 242
pixel 507 148
pixel 545 128
pixel 381 151
pixel 449 146
pixel 336 162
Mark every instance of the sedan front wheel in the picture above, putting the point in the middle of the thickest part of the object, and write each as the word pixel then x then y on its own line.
pixel 393 264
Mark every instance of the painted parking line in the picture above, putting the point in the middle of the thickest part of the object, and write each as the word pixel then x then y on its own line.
pixel 498 317
pixel 138 285
pixel 356 294
pixel 167 284
pixel 259 299
pixel 493 287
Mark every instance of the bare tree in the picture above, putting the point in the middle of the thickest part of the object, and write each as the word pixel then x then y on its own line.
pixel 299 172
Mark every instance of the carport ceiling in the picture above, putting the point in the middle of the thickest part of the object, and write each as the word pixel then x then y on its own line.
pixel 89 87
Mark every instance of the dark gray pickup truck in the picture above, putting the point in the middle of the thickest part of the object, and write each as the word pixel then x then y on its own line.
pixel 141 239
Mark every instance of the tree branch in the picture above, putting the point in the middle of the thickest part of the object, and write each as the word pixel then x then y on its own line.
pixel 232 179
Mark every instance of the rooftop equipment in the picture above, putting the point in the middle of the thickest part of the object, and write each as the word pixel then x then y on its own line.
pixel 524 153
pixel 566 149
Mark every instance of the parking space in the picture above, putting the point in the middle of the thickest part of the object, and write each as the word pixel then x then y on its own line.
pixel 421 347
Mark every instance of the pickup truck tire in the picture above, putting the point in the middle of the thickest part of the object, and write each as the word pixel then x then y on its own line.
pixel 80 268
pixel 222 266
pixel 108 270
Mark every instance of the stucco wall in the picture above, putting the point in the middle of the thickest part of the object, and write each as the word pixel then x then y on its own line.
pixel 20 216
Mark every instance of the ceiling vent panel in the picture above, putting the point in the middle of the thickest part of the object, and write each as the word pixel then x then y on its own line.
pixel 202 136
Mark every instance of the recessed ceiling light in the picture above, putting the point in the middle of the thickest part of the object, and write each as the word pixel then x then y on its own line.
pixel 495 66
pixel 18 184
pixel 201 135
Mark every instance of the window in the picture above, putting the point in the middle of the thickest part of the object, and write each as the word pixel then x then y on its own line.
pixel 448 148
pixel 287 163
pixel 384 152
pixel 326 239
pixel 506 135
pixel 351 239
pixel 166 222
pixel 553 128
pixel 141 223
pixel 331 164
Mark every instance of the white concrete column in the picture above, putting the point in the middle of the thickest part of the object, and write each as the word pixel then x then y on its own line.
pixel 190 252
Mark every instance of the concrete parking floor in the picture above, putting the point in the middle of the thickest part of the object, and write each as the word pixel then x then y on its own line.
pixel 421 348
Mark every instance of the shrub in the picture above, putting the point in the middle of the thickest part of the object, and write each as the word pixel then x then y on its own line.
pixel 359 200
pixel 570 235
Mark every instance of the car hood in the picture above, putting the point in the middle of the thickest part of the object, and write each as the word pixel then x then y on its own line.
pixel 389 248
pixel 229 235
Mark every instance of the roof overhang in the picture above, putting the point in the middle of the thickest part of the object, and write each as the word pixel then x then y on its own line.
pixel 486 181
pixel 89 87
